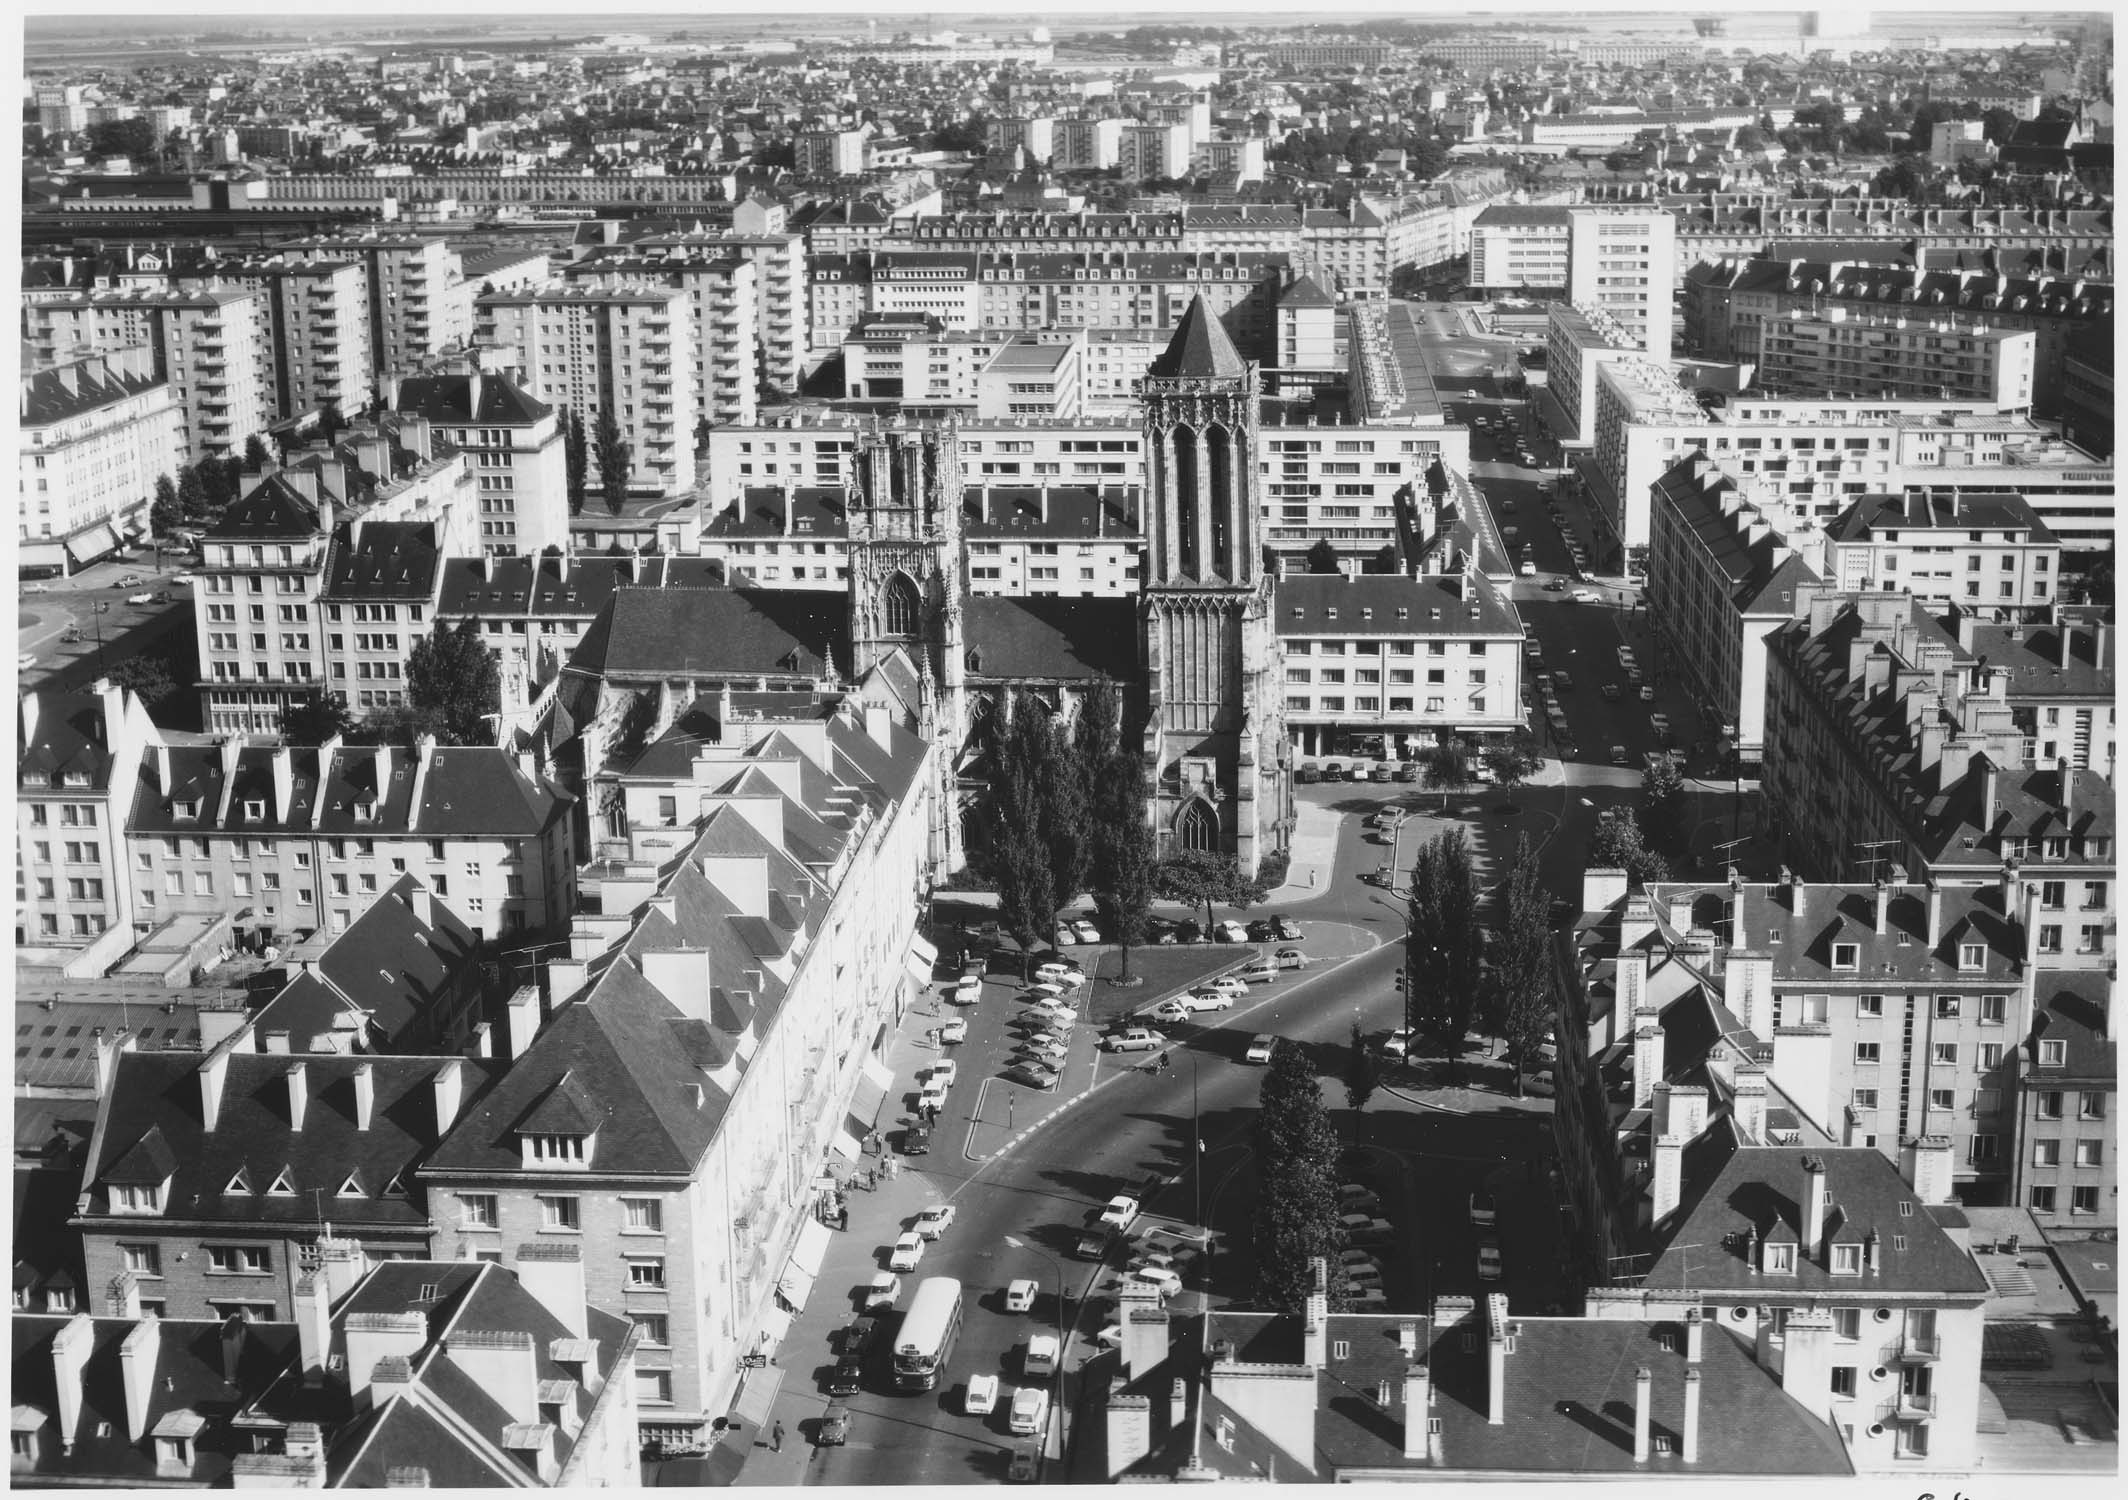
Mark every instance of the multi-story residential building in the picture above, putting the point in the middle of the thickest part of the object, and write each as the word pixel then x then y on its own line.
pixel 1843 353
pixel 514 445
pixel 1109 289
pixel 2087 392
pixel 532 611
pixel 1411 660
pixel 1619 262
pixel 415 310
pixel 723 288
pixel 1087 145
pixel 1307 328
pixel 76 758
pixel 1577 340
pixel 94 436
pixel 1520 248
pixel 324 356
pixel 2061 685
pixel 1035 135
pixel 211 1173
pixel 1720 580
pixel 2064 1166
pixel 212 345
pixel 758 230
pixel 1888 743
pixel 625 352
pixel 304 839
pixel 1727 304
pixel 670 1119
pixel 1239 160
pixel 1980 551
pixel 1150 150
pixel 829 153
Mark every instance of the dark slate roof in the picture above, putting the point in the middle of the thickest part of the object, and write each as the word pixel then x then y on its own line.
pixel 158 1094
pixel 67 740
pixel 1044 639
pixel 1334 604
pixel 1200 349
pixel 2071 1005
pixel 450 398
pixel 49 396
pixel 806 512
pixel 550 588
pixel 188 1377
pixel 1510 214
pixel 2032 656
pixel 1945 510
pixel 389 962
pixel 270 508
pixel 1798 925
pixel 1732 1190
pixel 740 632
pixel 1062 510
pixel 1304 292
pixel 383 560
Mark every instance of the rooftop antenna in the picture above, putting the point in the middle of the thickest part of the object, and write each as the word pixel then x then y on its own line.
pixel 1874 859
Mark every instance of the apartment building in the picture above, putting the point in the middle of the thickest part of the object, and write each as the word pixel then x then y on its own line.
pixel 76 757
pixel 625 352
pixel 1087 145
pixel 513 443
pixel 1888 743
pixel 321 339
pixel 93 436
pixel 759 232
pixel 1847 353
pixel 1619 262
pixel 1605 130
pixel 1239 160
pixel 1727 303
pixel 1014 291
pixel 1520 248
pixel 1720 580
pixel 1977 550
pixel 2060 689
pixel 1412 660
pixel 533 611
pixel 724 291
pixel 416 310
pixel 1576 340
pixel 753 943
pixel 1034 135
pixel 213 346
pixel 1342 484
pixel 829 153
pixel 304 839
pixel 2065 1167
pixel 1150 150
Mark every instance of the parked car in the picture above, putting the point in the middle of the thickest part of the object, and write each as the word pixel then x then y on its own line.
pixel 915 1141
pixel 129 581
pixel 848 1376
pixel 1044 989
pixel 1227 985
pixel 1020 1295
pixel 1612 692
pixel 1261 931
pixel 1086 932
pixel 1260 1048
pixel 140 598
pixel 1206 998
pixel 1586 596
pixel 965 994
pixel 883 1291
pixel 953 1032
pixel 1044 1047
pixel 1057 971
pixel 857 1338
pixel 1189 932
pixel 1026 1466
pixel 1489 1267
pixel 981 1397
pixel 1137 1039
pixel 1482 1211
pixel 1030 1410
pixel 834 1428
pixel 1363 1227
pixel 1333 771
pixel 1169 1010
pixel 1619 756
pixel 1261 973
pixel 935 1220
pixel 1232 932
pixel 907 1252
pixel 1041 1357
pixel 1032 1075
pixel 1351 1258
pixel 1163 1280
pixel 1562 680
pixel 1288 930
pixel 1555 586
pixel 1381 772
pixel 1120 1211
pixel 1290 958
pixel 1407 771
pixel 942 1074
pixel 1092 1245
pixel 1359 1201
pixel 1309 774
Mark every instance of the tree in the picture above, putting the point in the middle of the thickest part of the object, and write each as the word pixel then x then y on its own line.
pixel 1066 813
pixel 614 462
pixel 1019 855
pixel 134 138
pixel 1447 767
pixel 256 457
pixel 315 718
pixel 1363 1073
pixel 1511 763
pixel 1125 900
pixel 1203 876
pixel 453 674
pixel 191 494
pixel 1445 941
pixel 576 450
pixel 1322 557
pixel 1907 178
pixel 1620 845
pixel 1296 1173
pixel 1664 812
pixel 164 512
pixel 1519 989
pixel 331 424
pixel 147 676
pixel 1750 138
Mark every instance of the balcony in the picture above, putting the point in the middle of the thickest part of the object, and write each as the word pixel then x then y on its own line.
pixel 1916 1405
pixel 1916 1348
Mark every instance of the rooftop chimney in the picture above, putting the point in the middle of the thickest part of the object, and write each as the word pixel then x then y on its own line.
pixel 1418 1405
pixel 1315 1332
pixel 1496 1352
pixel 1813 1205
pixel 137 1358
pixel 1689 1445
pixel 1666 1189
pixel 1935 913
pixel 1643 1391
pixel 1695 1336
pixel 1884 901
pixel 365 1095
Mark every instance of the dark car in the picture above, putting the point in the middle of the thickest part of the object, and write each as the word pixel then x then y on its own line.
pixel 1262 932
pixel 1381 772
pixel 1092 1245
pixel 857 1338
pixel 1308 774
pixel 1189 932
pixel 1287 930
pixel 1333 772
pixel 915 1141
pixel 834 1426
pixel 1026 1464
pixel 1408 771
pixel 848 1378
pixel 1030 1075
pixel 1556 586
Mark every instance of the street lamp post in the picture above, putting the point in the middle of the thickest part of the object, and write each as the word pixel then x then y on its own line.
pixel 1063 1401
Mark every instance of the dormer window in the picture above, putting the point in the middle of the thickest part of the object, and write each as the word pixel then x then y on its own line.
pixel 137 1198
pixel 2053 1054
pixel 1779 1259
pixel 554 1149
pixel 1972 955
pixel 254 809
pixel 1847 1260
pixel 1846 955
pixel 365 812
pixel 186 808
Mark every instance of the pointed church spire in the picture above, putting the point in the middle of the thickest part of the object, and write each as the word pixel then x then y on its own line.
pixel 1200 348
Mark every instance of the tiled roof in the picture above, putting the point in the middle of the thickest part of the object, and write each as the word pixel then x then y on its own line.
pixel 390 962
pixel 270 508
pixel 2072 1005
pixel 383 560
pixel 1039 638
pixel 49 396
pixel 1950 510
pixel 1512 215
pixel 1059 511
pixel 738 632
pixel 2031 655
pixel 1368 604
pixel 1200 349
pixel 449 398
pixel 1799 925
pixel 67 741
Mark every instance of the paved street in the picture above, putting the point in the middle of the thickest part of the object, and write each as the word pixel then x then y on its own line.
pixel 46 608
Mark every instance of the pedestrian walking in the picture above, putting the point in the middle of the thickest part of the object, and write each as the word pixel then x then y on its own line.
pixel 775 1443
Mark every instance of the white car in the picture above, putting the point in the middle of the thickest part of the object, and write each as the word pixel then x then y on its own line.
pixel 1045 990
pixel 1020 1295
pixel 935 1220
pixel 1041 1357
pixel 1086 932
pixel 1056 973
pixel 1398 1043
pixel 932 1098
pixel 1584 596
pixel 955 1030
pixel 1052 1013
pixel 1228 985
pixel 907 1253
pixel 1030 1410
pixel 1206 999
pixel 942 1075
pixel 1165 1010
pixel 884 1290
pixel 184 579
pixel 140 598
pixel 1260 1048
pixel 965 994
pixel 1120 1211
pixel 1231 932
pixel 982 1397
pixel 1161 1278
pixel 1046 1045
pixel 1136 1039
pixel 1488 1259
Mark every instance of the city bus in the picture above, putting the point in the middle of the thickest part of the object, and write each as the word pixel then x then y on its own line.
pixel 928 1333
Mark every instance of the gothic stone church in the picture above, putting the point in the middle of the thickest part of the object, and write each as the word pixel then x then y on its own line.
pixel 1195 653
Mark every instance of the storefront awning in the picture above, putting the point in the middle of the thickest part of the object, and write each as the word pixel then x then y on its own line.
pixel 775 1327
pixel 795 1285
pixel 864 1108
pixel 922 960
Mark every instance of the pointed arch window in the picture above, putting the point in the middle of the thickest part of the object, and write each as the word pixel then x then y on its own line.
pixel 1197 827
pixel 899 605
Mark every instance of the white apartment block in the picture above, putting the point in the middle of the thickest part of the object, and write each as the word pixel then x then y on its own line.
pixel 93 436
pixel 1515 247
pixel 1621 262
pixel 324 353
pixel 1036 136
pixel 417 310
pixel 514 446
pixel 829 153
pixel 758 233
pixel 1577 340
pixel 624 350
pixel 723 290
pixel 76 756
pixel 1843 353
pixel 1150 150
pixel 1980 551
pixel 1242 156
pixel 1088 145
pixel 213 344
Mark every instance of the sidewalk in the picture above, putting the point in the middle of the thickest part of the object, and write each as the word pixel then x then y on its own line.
pixel 1308 872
